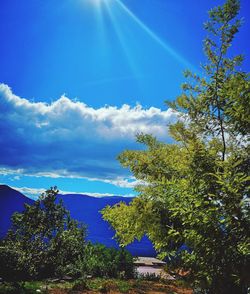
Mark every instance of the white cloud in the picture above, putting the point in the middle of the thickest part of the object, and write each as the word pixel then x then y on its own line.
pixel 67 138
pixel 124 182
pixel 34 193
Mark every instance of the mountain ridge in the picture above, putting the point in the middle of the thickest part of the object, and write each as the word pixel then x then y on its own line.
pixel 83 208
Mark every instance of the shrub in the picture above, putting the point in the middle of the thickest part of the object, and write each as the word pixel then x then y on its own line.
pixel 101 261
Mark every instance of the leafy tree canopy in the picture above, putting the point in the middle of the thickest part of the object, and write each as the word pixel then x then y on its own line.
pixel 196 191
pixel 43 242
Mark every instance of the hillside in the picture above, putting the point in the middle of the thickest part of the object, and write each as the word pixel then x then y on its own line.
pixel 10 201
pixel 87 209
pixel 83 208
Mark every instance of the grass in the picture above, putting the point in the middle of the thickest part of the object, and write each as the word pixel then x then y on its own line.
pixel 20 288
pixel 97 285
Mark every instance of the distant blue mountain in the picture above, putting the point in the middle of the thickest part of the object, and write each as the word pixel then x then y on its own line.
pixel 10 201
pixel 83 208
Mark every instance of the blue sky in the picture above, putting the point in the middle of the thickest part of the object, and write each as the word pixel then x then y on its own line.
pixel 81 77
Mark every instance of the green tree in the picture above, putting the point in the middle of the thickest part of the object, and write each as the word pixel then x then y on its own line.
pixel 43 242
pixel 197 190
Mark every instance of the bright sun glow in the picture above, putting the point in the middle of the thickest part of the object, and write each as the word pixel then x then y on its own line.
pixel 98 2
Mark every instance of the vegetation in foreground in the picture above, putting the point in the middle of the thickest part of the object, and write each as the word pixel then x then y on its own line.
pixel 44 242
pixel 197 190
pixel 97 285
pixel 45 252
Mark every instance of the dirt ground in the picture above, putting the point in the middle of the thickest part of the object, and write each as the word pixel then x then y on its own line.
pixel 145 287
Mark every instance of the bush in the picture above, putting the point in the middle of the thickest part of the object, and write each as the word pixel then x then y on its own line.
pixel 101 261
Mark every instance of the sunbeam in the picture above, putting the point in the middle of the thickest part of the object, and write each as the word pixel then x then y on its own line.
pixel 157 39
pixel 121 39
pixel 98 2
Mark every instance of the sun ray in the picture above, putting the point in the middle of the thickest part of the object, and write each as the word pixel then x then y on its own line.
pixel 156 38
pixel 121 39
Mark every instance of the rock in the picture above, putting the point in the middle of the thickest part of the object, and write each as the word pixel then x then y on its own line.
pixel 67 278
pixel 55 280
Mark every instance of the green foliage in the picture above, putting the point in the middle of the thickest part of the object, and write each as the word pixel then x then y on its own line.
pixel 197 190
pixel 101 261
pixel 109 285
pixel 43 241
